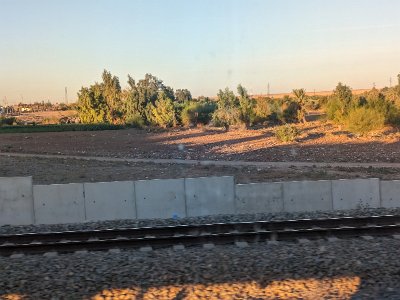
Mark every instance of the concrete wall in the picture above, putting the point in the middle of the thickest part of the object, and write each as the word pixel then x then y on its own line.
pixel 59 203
pixel 210 196
pixel 110 200
pixel 21 204
pixel 301 196
pixel 259 197
pixel 355 193
pixel 160 198
pixel 390 193
pixel 16 201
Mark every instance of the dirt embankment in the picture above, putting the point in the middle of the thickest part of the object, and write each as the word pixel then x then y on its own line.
pixel 318 142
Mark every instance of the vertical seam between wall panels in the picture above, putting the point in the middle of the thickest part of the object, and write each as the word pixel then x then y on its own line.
pixel 332 193
pixel 134 199
pixel 234 196
pixel 283 197
pixel 84 201
pixel 380 192
pixel 185 197
pixel 33 203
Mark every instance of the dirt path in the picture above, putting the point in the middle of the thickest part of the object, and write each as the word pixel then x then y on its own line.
pixel 225 163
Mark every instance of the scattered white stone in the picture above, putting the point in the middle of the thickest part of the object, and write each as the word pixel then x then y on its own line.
pixel 178 247
pixel 396 236
pixel 8 244
pixel 93 239
pixel 50 254
pixel 303 241
pixel 332 239
pixel 81 252
pixel 241 244
pixel 208 246
pixel 274 243
pixel 367 237
pixel 114 250
pixel 145 249
pixel 17 255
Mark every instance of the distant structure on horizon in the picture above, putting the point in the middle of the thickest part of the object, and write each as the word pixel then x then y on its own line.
pixel 312 93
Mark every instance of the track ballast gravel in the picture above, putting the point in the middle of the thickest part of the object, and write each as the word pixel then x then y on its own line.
pixel 346 269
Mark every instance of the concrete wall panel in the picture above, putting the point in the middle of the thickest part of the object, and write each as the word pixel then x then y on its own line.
pixel 390 193
pixel 160 198
pixel 210 196
pixel 259 198
pixel 16 201
pixel 110 200
pixel 59 203
pixel 301 196
pixel 355 193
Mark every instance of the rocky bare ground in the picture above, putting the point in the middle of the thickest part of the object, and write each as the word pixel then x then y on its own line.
pixel 318 142
pixel 57 170
pixel 345 269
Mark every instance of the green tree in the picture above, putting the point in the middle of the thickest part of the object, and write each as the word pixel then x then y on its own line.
pixel 111 91
pixel 339 103
pixel 183 95
pixel 246 106
pixel 301 97
pixel 162 112
pixel 228 112
pixel 91 105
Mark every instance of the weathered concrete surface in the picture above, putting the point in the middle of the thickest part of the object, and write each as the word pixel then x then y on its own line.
pixel 160 198
pixel 110 200
pixel 210 196
pixel 259 198
pixel 390 193
pixel 59 203
pixel 16 201
pixel 307 196
pixel 355 193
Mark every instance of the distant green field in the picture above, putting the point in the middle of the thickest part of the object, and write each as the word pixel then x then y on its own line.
pixel 58 128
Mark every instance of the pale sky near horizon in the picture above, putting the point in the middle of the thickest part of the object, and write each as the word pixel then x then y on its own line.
pixel 201 45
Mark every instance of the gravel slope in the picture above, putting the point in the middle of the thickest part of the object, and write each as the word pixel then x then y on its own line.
pixel 346 269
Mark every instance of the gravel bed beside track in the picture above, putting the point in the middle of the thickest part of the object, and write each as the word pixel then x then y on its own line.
pixel 345 269
pixel 198 220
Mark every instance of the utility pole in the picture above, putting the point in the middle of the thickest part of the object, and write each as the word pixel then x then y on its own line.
pixel 66 96
pixel 373 84
pixel 268 91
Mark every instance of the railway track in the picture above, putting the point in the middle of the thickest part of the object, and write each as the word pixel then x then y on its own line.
pixel 190 235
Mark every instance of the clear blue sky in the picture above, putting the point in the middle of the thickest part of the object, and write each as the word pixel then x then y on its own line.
pixel 202 45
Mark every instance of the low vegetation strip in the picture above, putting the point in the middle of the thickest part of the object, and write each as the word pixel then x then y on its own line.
pixel 58 128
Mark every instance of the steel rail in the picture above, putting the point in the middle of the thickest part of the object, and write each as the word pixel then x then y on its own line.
pixel 191 240
pixel 198 229
pixel 255 234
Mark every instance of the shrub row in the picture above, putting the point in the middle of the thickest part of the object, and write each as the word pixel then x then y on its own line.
pixel 58 128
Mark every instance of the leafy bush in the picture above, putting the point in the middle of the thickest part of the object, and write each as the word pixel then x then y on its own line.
pixel 57 128
pixel 363 119
pixel 135 120
pixel 7 121
pixel 286 133
pixel 189 114
pixel 224 117
pixel 162 113
pixel 290 112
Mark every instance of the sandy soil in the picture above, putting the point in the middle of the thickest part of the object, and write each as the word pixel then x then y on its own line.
pixel 48 117
pixel 319 142
pixel 49 171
